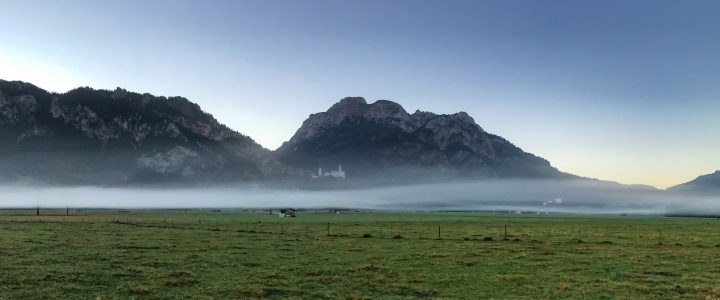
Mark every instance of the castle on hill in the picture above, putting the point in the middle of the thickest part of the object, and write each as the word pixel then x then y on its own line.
pixel 339 173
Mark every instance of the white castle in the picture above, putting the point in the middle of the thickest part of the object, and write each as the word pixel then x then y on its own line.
pixel 332 173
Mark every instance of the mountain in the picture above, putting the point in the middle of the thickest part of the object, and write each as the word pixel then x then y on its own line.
pixel 706 184
pixel 88 136
pixel 381 138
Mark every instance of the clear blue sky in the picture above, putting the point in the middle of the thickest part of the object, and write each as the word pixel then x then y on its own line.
pixel 619 90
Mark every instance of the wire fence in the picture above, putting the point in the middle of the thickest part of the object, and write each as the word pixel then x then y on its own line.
pixel 703 232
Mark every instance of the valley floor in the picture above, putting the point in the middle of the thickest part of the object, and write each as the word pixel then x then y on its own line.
pixel 233 254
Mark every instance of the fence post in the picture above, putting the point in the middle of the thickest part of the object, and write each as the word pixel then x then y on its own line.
pixel 439 237
pixel 579 235
pixel 505 230
pixel 328 229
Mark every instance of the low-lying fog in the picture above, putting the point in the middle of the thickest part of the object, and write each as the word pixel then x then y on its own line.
pixel 506 195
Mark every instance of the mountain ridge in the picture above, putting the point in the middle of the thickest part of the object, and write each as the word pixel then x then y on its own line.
pixel 439 144
pixel 148 137
pixel 118 137
pixel 708 184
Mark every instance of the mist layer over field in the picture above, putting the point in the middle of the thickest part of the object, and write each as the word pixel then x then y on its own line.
pixel 581 196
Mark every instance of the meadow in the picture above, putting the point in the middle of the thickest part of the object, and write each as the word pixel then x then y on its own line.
pixel 235 254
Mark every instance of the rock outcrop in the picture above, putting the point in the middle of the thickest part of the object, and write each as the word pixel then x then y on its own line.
pixel 92 136
pixel 371 139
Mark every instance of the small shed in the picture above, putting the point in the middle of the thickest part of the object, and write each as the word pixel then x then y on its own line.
pixel 287 213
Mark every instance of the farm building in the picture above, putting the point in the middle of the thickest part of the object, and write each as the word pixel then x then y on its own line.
pixel 287 213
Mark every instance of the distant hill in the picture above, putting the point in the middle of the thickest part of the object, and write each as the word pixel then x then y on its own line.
pixel 381 138
pixel 88 136
pixel 706 184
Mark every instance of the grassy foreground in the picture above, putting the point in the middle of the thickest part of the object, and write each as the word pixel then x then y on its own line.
pixel 367 255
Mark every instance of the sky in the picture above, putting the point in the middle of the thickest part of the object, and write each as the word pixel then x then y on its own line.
pixel 618 90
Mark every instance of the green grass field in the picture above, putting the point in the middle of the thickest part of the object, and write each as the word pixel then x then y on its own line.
pixel 367 255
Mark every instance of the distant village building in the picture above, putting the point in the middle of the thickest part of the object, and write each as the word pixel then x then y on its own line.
pixel 333 174
pixel 287 213
pixel 556 201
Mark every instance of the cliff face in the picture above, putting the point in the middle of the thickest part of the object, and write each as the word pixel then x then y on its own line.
pixel 114 137
pixel 380 137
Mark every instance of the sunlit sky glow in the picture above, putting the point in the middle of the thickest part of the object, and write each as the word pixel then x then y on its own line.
pixel 619 90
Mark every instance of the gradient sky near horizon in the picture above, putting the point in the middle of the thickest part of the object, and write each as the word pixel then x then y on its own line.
pixel 619 90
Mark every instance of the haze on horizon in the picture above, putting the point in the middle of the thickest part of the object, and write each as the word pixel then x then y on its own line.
pixel 616 90
pixel 505 195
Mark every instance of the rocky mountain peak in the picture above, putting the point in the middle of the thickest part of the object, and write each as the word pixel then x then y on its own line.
pixel 382 109
pixel 387 105
pixel 349 101
pixel 143 132
pixel 349 106
pixel 383 135
pixel 463 117
pixel 353 109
